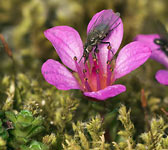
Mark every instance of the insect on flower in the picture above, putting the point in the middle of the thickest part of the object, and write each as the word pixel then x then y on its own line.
pixel 99 30
pixel 97 77
pixel 163 40
pixel 158 43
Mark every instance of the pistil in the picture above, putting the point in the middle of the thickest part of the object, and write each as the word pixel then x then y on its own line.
pixel 87 86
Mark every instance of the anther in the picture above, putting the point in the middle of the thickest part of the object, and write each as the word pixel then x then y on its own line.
pixel 111 69
pixel 108 62
pixel 97 70
pixel 94 59
pixel 84 70
pixel 85 79
pixel 109 47
pixel 75 58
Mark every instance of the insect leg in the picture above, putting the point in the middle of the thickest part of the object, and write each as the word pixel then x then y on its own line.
pixel 83 56
pixel 95 51
pixel 80 59
pixel 108 47
pixel 106 43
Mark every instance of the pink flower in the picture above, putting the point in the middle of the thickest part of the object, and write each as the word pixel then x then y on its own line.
pixel 95 78
pixel 157 54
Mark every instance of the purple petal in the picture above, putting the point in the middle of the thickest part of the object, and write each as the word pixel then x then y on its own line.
pixel 67 43
pixel 114 37
pixel 162 77
pixel 160 57
pixel 148 40
pixel 131 57
pixel 57 75
pixel 157 54
pixel 108 92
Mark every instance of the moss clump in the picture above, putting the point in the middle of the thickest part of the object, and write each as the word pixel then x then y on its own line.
pixel 24 127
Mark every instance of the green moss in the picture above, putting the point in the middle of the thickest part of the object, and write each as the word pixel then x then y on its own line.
pixel 24 127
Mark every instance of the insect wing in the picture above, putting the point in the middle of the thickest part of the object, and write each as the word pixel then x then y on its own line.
pixel 108 19
pixel 114 20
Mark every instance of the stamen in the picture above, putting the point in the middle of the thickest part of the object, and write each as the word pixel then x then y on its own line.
pixel 111 69
pixel 87 72
pixel 99 64
pixel 87 85
pixel 75 58
pixel 109 54
pixel 79 70
pixel 109 73
pixel 84 70
pixel 109 47
pixel 97 75
pixel 108 62
pixel 113 61
pixel 94 60
pixel 85 79
pixel 91 60
pixel 98 79
pixel 108 81
pixel 112 78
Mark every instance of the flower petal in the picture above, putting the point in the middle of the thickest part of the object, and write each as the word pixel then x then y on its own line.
pixel 157 54
pixel 67 43
pixel 162 77
pixel 160 57
pixel 57 75
pixel 131 57
pixel 148 40
pixel 114 37
pixel 108 92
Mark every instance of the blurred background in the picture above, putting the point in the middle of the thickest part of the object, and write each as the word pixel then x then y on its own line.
pixel 22 23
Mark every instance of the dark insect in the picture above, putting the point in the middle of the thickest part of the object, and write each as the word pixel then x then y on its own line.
pixel 163 40
pixel 100 29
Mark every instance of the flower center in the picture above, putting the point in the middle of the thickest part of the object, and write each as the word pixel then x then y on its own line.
pixel 91 75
